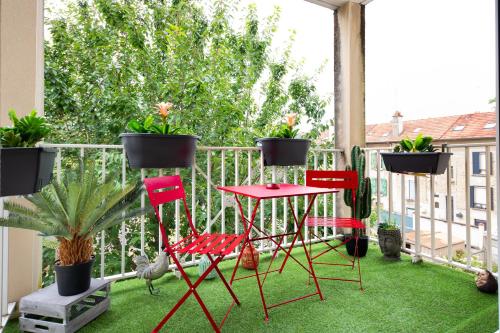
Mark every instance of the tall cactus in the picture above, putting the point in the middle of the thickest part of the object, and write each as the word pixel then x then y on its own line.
pixel 364 192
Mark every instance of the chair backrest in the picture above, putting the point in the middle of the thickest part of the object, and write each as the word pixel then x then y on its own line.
pixel 332 179
pixel 347 180
pixel 165 189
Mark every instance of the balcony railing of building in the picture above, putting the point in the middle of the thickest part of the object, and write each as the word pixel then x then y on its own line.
pixel 212 210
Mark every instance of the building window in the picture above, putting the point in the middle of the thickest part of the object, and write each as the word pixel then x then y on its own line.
pixel 478 197
pixel 436 204
pixel 479 163
pixel 410 190
pixel 478 222
pixel 383 186
pixel 373 161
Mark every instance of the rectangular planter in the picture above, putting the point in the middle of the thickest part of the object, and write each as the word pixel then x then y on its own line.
pixel 25 170
pixel 434 163
pixel 284 152
pixel 158 151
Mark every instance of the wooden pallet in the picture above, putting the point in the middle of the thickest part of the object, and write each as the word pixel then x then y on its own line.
pixel 45 311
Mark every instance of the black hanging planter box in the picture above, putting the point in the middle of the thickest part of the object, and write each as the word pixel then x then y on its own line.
pixel 25 170
pixel 159 151
pixel 284 152
pixel 434 163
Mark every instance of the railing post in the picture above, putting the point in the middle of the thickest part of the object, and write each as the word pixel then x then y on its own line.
pixel 417 257
pixel 403 210
pixel 143 204
pixel 433 227
pixel 467 207
pixel 103 233
pixel 489 259
pixel 378 185
pixel 223 196
pixel 209 190
pixel 123 239
pixel 449 213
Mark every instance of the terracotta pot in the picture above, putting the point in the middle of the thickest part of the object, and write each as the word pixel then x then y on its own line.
pixel 246 257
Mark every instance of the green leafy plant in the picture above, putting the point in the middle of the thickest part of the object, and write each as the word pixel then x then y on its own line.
pixel 151 125
pixel 286 131
pixel 419 145
pixel 362 208
pixel 390 225
pixel 25 132
pixel 74 211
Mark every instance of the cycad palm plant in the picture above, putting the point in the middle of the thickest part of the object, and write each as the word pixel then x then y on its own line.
pixel 75 210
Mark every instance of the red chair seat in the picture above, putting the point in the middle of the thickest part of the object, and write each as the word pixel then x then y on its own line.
pixel 338 222
pixel 216 244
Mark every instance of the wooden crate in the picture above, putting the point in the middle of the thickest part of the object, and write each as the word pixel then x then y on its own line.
pixel 45 311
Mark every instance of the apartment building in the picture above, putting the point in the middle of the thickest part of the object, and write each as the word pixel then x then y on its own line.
pixel 470 138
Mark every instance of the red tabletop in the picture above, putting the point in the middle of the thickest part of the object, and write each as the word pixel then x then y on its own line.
pixel 285 190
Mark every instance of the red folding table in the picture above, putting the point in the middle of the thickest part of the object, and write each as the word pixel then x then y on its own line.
pixel 261 192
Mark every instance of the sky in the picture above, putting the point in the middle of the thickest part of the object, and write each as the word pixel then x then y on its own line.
pixel 425 58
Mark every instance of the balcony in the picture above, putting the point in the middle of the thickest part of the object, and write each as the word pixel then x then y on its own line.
pixel 425 296
pixel 447 222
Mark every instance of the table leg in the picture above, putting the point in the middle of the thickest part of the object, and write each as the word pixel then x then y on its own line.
pixel 299 233
pixel 299 226
pixel 248 230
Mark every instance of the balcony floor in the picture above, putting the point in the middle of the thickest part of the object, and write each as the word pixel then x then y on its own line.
pixel 398 297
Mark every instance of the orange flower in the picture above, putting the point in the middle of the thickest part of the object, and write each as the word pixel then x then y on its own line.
pixel 290 119
pixel 164 108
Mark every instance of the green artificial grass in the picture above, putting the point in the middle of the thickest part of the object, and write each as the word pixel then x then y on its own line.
pixel 398 297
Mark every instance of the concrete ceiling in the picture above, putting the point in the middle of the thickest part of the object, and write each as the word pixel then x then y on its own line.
pixel 333 4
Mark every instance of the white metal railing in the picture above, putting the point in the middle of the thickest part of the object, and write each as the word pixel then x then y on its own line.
pixel 236 165
pixel 479 245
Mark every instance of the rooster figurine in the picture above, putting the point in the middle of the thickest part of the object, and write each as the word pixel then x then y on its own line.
pixel 153 271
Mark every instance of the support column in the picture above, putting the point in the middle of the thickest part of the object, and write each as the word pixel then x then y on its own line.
pixel 21 88
pixel 349 67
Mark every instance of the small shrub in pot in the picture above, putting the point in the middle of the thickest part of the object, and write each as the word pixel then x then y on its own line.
pixel 73 212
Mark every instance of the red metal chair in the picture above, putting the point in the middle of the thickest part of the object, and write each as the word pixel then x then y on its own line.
pixel 166 189
pixel 347 180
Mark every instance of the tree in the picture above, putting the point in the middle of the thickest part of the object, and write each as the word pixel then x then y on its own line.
pixel 110 61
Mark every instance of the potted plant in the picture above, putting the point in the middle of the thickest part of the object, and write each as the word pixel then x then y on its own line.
pixel 362 208
pixel 73 212
pixel 24 168
pixel 389 240
pixel 282 147
pixel 153 144
pixel 416 156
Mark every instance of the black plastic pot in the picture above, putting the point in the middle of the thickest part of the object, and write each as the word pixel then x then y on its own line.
pixel 432 162
pixel 284 152
pixel 75 279
pixel 159 151
pixel 362 246
pixel 25 170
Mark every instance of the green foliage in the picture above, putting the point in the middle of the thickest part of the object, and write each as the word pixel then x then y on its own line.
pixel 148 125
pixel 420 144
pixel 109 61
pixel 363 205
pixel 76 209
pixel 389 225
pixel 25 132
pixel 284 131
